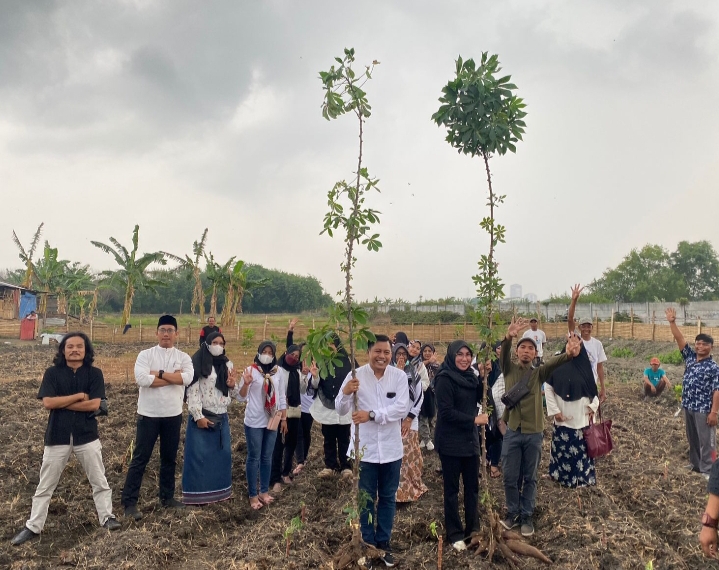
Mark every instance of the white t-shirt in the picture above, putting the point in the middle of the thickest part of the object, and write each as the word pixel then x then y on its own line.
pixel 539 337
pixel 595 350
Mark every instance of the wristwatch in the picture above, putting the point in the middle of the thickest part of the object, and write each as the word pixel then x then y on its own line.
pixel 707 520
pixel 159 375
pixel 371 416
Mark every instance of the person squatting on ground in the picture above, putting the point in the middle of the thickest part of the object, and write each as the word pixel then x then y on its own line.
pixel 655 379
pixel 428 412
pixel 595 348
pixel 162 373
pixel 700 396
pixel 522 447
pixel 207 466
pixel 572 401
pixel 336 427
pixel 459 390
pixel 382 403
pixel 408 360
pixel 71 390
pixel 710 518
pixel 264 391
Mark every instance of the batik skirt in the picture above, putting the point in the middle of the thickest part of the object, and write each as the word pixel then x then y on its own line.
pixel 569 463
pixel 207 469
pixel 411 487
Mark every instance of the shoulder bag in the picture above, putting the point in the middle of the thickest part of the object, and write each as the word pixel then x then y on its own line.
pixel 516 393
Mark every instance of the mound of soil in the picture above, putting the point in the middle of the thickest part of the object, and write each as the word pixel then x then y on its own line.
pixel 645 507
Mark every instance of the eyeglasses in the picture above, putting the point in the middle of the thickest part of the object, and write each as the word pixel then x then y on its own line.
pixel 166 331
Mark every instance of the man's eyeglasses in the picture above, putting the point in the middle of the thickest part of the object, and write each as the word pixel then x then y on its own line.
pixel 166 331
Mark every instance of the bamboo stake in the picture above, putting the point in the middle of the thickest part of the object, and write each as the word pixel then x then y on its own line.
pixel 699 325
pixel 140 330
pixel 238 331
pixel 631 320
pixel 654 325
pixel 611 327
pixel 92 331
pixel 264 329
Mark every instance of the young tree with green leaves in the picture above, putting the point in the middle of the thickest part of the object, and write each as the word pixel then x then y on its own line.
pixel 484 117
pixel 344 93
pixel 133 272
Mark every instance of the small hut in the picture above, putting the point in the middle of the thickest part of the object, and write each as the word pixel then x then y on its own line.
pixel 16 302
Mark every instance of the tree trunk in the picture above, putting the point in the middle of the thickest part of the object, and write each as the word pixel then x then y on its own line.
pixel 127 309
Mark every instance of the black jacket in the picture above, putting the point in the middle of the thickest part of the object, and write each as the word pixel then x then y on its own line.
pixel 455 434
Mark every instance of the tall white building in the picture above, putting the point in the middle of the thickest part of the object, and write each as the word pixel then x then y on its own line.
pixel 515 291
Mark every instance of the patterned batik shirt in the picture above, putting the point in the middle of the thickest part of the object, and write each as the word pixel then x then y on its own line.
pixel 701 380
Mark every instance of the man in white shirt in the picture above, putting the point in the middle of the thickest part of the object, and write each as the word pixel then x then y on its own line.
pixel 537 335
pixel 382 403
pixel 595 348
pixel 162 373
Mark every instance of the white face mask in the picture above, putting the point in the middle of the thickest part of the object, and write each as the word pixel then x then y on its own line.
pixel 265 358
pixel 215 349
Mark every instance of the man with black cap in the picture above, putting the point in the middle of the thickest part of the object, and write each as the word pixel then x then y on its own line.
pixel 522 446
pixel 540 339
pixel 161 372
pixel 594 346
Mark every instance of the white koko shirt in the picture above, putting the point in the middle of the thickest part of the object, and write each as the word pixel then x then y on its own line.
pixel 166 401
pixel 388 397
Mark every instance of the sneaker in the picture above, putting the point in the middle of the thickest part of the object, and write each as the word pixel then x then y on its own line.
pixel 131 511
pixel 172 504
pixel 326 472
pixel 510 522
pixel 112 524
pixel 430 446
pixel 388 559
pixel 459 546
pixel 527 528
pixel 346 474
pixel 422 444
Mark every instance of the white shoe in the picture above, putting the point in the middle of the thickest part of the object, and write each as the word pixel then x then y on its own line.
pixel 459 546
pixel 430 446
pixel 422 445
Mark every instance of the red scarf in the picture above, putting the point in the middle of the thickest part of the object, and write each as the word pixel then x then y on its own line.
pixel 268 389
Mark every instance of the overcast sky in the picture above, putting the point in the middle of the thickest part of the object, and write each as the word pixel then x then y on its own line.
pixel 179 115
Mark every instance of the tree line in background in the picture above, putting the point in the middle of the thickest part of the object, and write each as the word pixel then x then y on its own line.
pixel 141 282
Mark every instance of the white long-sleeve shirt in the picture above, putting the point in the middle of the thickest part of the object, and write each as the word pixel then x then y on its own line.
pixel 577 412
pixel 388 398
pixel 203 394
pixel 255 415
pixel 165 401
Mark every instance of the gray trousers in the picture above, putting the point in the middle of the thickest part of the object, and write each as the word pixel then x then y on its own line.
pixel 54 460
pixel 426 428
pixel 521 453
pixel 702 440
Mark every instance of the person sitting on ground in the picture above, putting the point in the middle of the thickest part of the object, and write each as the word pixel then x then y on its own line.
pixel 710 519
pixel 655 379
pixel 72 389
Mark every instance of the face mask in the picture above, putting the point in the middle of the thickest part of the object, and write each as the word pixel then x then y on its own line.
pixel 265 358
pixel 291 359
pixel 216 349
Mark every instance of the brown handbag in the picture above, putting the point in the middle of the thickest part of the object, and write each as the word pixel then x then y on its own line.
pixel 598 437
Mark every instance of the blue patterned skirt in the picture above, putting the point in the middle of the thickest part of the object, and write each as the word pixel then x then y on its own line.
pixel 207 468
pixel 569 463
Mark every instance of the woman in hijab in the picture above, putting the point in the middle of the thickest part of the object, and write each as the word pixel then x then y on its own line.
pixel 207 468
pixel 458 391
pixel 429 404
pixel 265 393
pixel 335 428
pixel 400 338
pixel 572 400
pixel 411 487
pixel 290 372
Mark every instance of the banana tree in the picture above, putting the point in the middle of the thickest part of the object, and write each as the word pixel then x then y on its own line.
pixel 240 284
pixel 49 272
pixel 219 278
pixel 26 256
pixel 76 278
pixel 133 272
pixel 192 264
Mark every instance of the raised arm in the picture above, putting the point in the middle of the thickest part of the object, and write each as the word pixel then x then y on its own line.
pixel 671 315
pixel 576 291
pixel 505 359
pixel 291 332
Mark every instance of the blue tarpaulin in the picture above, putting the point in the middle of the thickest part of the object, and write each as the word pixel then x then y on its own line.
pixel 28 302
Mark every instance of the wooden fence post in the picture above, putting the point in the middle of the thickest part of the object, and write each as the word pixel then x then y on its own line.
pixel 464 331
pixel 238 331
pixel 92 332
pixel 264 329
pixel 631 320
pixel 140 330
pixel 699 325
pixel 189 333
pixel 114 330
pixel 611 327
pixel 411 331
pixel 654 325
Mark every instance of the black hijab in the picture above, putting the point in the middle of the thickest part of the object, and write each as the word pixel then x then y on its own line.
pixel 293 382
pixel 466 378
pixel 266 368
pixel 329 387
pixel 574 379
pixel 203 362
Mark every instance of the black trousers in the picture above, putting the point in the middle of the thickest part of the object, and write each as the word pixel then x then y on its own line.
pixel 304 438
pixel 452 468
pixel 336 445
pixel 148 430
pixel 284 451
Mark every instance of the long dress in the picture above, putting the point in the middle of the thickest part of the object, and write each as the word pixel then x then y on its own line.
pixel 411 486
pixel 207 467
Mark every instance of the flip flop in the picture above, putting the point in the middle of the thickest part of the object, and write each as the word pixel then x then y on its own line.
pixel 494 472
pixel 256 506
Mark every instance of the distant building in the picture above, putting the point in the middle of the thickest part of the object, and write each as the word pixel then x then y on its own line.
pixel 515 291
pixel 531 298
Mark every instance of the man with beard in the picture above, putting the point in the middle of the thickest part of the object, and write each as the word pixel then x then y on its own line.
pixel 72 390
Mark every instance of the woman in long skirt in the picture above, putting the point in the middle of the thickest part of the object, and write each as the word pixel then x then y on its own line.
pixel 207 468
pixel 572 400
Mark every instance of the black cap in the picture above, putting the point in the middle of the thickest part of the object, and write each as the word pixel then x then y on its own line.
pixel 167 320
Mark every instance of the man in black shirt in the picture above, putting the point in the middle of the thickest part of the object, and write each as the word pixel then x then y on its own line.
pixel 208 330
pixel 72 390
